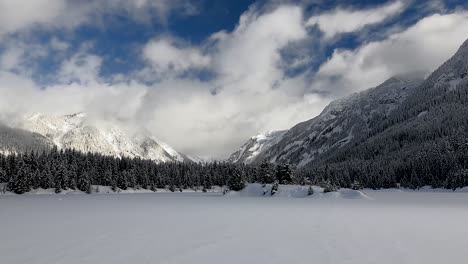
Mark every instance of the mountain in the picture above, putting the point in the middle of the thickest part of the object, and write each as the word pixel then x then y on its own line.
pixel 75 131
pixel 338 124
pixel 405 132
pixel 423 142
pixel 433 116
pixel 14 140
pixel 255 146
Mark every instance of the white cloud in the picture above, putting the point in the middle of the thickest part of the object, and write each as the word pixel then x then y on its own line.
pixel 249 90
pixel 21 15
pixel 81 68
pixel 11 58
pixel 252 93
pixel 165 56
pixel 344 20
pixel 20 56
pixel 422 47
pixel 59 45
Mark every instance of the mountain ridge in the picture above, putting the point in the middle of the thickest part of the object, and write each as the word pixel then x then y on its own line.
pixel 338 123
pixel 75 131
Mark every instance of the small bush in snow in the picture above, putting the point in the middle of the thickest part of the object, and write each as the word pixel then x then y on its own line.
pixel 172 188
pixel 356 185
pixel 328 187
pixel 274 188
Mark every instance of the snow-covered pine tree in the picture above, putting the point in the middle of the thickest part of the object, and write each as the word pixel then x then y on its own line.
pixel 265 173
pixel 356 185
pixel 84 183
pixel 284 174
pixel 236 182
pixel 122 182
pixel 328 187
pixel 21 182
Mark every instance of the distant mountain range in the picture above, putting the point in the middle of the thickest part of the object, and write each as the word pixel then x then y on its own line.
pixel 405 112
pixel 75 131
pixel 405 116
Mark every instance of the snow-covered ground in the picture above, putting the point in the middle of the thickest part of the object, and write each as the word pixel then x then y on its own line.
pixel 379 227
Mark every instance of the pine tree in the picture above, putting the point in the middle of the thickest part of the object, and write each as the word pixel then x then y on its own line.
pixel 153 187
pixel 236 182
pixel 265 173
pixel 61 179
pixel 356 185
pixel 45 179
pixel 2 176
pixel 122 180
pixel 84 183
pixel 284 174
pixel 172 188
pixel 328 187
pixel 21 182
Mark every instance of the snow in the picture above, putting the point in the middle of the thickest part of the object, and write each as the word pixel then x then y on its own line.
pixel 393 227
pixel 257 145
pixel 77 131
pixel 296 191
pixel 99 189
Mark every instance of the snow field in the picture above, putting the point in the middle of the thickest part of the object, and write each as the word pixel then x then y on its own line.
pixel 393 227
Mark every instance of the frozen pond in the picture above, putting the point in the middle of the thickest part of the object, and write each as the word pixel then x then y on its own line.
pixel 393 227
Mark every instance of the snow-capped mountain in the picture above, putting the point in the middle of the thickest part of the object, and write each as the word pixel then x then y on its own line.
pixel 340 122
pixel 15 140
pixel 404 112
pixel 75 131
pixel 256 145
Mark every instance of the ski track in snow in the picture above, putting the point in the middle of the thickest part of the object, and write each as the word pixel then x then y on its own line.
pixel 170 228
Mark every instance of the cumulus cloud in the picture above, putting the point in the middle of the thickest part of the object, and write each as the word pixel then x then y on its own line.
pixel 344 20
pixel 20 56
pixel 249 89
pixel 21 15
pixel 58 45
pixel 420 48
pixel 250 92
pixel 165 56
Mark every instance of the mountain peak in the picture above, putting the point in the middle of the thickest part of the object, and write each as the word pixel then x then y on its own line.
pixel 74 132
pixel 406 77
pixel 256 145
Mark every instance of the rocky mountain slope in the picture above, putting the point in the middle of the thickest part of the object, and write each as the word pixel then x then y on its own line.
pixel 338 124
pixel 432 119
pixel 399 123
pixel 75 131
pixel 255 146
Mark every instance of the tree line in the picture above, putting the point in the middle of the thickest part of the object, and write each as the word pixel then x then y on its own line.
pixel 70 169
pixel 440 164
pixel 421 143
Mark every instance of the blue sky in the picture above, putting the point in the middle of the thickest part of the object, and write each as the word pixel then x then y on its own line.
pixel 194 27
pixel 219 71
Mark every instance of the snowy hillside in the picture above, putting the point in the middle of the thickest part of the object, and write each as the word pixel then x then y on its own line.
pixel 255 146
pixel 14 140
pixel 340 122
pixel 75 131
